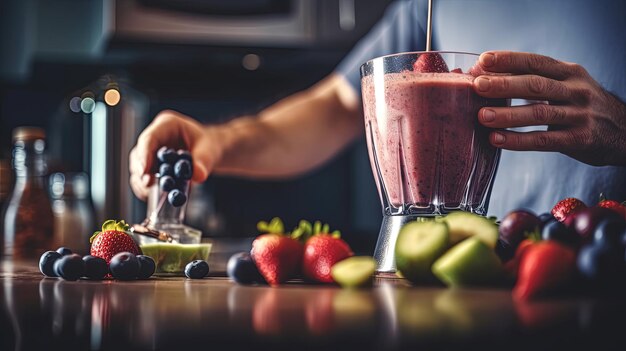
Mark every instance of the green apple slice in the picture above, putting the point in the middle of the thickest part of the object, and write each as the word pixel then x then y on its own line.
pixel 463 225
pixel 354 272
pixel 418 245
pixel 471 262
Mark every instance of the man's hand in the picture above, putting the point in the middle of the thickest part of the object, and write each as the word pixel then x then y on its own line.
pixel 172 129
pixel 584 121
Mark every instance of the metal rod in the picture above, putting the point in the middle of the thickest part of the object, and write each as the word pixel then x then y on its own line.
pixel 429 29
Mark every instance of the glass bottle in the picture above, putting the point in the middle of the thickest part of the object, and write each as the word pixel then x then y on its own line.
pixel 73 212
pixel 28 221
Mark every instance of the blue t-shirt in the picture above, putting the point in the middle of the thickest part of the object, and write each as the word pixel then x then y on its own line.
pixel 590 33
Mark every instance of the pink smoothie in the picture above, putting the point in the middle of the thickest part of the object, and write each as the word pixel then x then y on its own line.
pixel 425 142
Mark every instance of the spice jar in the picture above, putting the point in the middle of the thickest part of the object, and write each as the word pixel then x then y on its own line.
pixel 28 224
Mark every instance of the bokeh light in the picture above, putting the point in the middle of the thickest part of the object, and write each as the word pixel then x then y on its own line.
pixel 251 62
pixel 75 104
pixel 112 97
pixel 88 105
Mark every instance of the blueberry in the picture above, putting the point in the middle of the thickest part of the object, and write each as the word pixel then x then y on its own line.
pixel 197 269
pixel 167 183
pixel 182 169
pixel 504 250
pixel 555 230
pixel 166 169
pixel 184 155
pixel 95 267
pixel 609 232
pixel 242 270
pixel 545 218
pixel 146 266
pixel 46 263
pixel 176 198
pixel 167 155
pixel 601 264
pixel 70 267
pixel 124 266
pixel 182 185
pixel 64 251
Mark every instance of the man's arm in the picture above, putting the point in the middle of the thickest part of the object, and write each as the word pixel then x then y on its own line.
pixel 288 138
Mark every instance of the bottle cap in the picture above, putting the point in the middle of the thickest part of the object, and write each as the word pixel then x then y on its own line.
pixel 28 133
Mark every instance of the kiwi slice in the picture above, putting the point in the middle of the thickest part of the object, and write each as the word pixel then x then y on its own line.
pixel 418 245
pixel 463 225
pixel 354 272
pixel 471 262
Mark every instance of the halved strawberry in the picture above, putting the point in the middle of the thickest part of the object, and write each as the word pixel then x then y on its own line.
pixel 277 255
pixel 567 206
pixel 430 62
pixel 111 240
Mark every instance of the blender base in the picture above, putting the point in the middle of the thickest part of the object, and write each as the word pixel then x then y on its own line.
pixel 385 246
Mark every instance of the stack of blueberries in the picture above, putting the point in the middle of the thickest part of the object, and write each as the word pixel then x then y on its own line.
pixel 175 171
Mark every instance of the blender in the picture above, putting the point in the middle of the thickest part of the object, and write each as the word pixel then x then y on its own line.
pixel 428 153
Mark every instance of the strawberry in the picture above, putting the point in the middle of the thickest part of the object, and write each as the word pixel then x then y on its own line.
pixel 544 267
pixel 321 251
pixel 567 206
pixel 276 255
pixel 613 205
pixel 430 63
pixel 512 266
pixel 111 240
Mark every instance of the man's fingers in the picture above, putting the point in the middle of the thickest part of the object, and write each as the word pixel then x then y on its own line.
pixel 529 115
pixel 526 63
pixel 536 141
pixel 529 87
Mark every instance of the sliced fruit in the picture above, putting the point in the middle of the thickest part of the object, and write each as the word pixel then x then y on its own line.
pixel 172 258
pixel 418 245
pixel 463 225
pixel 471 262
pixel 354 272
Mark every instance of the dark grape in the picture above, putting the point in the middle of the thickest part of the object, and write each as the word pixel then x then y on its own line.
pixel 602 264
pixel 587 220
pixel 609 232
pixel 555 230
pixel 516 225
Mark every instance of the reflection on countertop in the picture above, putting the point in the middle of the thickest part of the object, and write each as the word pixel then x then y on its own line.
pixel 176 312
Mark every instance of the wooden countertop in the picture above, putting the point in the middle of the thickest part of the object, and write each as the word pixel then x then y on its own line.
pixel 216 314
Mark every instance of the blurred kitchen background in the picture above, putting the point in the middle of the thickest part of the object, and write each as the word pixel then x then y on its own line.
pixel 94 73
